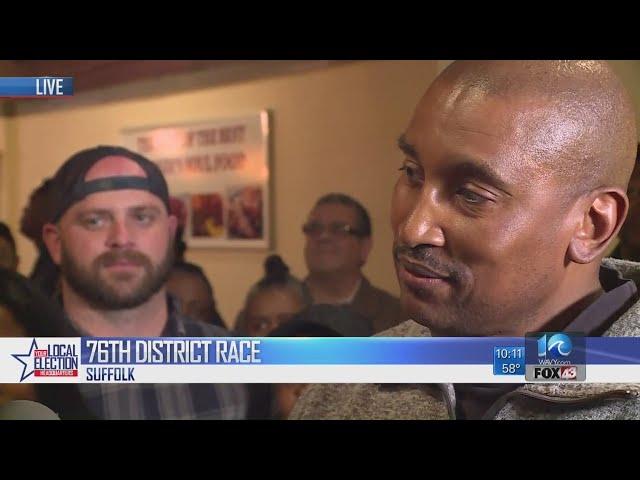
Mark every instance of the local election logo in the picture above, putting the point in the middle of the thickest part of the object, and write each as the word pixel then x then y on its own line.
pixel 56 360
pixel 556 357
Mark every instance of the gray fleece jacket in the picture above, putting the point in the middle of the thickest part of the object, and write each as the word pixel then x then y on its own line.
pixel 578 401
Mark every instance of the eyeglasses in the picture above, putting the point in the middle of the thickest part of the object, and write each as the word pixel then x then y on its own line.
pixel 337 229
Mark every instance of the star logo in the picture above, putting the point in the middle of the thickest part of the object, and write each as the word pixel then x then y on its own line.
pixel 28 356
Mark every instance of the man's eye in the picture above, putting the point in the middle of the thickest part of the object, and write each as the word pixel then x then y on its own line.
pixel 471 197
pixel 144 218
pixel 93 222
pixel 411 173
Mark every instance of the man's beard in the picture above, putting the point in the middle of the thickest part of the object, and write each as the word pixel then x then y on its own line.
pixel 101 293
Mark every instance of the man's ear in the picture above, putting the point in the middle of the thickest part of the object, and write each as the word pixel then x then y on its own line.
pixel 51 238
pixel 600 218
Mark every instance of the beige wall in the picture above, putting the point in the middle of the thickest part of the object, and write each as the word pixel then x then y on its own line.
pixel 333 129
pixel 629 72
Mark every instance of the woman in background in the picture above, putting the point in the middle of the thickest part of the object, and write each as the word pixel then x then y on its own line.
pixel 274 300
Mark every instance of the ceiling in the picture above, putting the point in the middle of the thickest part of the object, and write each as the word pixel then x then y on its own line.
pixel 95 74
pixel 103 80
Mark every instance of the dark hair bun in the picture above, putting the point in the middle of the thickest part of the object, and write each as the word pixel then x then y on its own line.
pixel 275 270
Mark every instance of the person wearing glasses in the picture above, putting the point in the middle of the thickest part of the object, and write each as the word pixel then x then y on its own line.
pixel 338 243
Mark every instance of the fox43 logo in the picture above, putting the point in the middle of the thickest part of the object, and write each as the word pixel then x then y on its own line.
pixel 562 372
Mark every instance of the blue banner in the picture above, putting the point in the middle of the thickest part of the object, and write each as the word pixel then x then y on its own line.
pixel 335 351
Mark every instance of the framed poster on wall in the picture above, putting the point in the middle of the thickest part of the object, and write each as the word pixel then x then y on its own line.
pixel 219 171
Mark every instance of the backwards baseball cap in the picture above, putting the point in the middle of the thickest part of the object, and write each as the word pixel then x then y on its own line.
pixel 70 186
